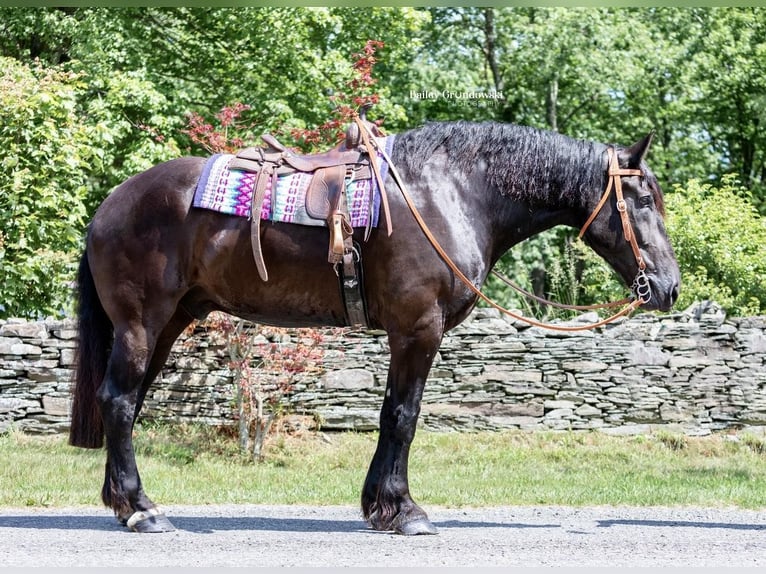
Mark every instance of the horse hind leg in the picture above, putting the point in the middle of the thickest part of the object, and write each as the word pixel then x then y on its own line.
pixel 117 398
pixel 180 320
pixel 136 358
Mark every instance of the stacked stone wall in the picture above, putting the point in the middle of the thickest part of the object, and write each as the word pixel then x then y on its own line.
pixel 694 371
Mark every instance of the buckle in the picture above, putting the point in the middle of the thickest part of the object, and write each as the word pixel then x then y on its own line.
pixel 622 207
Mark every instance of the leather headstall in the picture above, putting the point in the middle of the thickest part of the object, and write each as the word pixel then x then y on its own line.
pixel 640 286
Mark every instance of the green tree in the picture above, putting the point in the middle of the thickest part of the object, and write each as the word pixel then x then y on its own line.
pixel 37 34
pixel 448 59
pixel 283 62
pixel 147 68
pixel 47 155
pixel 695 76
pixel 729 76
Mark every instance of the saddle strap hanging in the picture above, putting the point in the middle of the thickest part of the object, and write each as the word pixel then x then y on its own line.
pixel 372 152
pixel 339 225
pixel 340 232
pixel 351 280
pixel 266 173
pixel 346 256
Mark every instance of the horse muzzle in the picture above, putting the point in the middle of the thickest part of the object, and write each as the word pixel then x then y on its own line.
pixel 657 294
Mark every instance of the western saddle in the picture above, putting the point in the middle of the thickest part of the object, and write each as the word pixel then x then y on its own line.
pixel 355 158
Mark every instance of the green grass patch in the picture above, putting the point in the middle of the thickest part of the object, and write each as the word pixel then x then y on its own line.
pixel 199 465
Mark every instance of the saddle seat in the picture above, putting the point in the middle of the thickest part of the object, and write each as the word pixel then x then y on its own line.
pixel 342 154
pixel 287 161
pixel 347 152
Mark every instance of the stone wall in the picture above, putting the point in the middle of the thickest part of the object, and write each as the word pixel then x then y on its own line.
pixel 694 371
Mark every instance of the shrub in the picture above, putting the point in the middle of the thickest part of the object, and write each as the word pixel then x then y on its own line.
pixel 65 140
pixel 46 152
pixel 720 243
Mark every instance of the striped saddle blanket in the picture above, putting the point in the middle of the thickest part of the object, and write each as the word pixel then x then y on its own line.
pixel 230 191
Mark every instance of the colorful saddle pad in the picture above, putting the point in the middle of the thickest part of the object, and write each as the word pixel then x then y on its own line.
pixel 230 191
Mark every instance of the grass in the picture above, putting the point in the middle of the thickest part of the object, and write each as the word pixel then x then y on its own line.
pixel 200 465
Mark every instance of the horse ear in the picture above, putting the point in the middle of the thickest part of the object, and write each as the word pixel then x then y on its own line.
pixel 634 155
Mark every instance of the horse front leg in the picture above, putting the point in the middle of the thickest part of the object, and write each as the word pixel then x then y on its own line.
pixel 386 500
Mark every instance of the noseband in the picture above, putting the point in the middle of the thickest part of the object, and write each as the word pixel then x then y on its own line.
pixel 641 289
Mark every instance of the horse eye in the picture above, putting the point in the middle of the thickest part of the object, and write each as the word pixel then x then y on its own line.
pixel 645 201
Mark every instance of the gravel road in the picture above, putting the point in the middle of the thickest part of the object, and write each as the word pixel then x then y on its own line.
pixel 246 535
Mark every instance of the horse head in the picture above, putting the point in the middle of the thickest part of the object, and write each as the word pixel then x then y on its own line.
pixel 627 227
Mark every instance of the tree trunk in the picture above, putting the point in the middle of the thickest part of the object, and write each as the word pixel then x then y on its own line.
pixel 490 48
pixel 551 103
pixel 748 156
pixel 262 423
pixel 244 417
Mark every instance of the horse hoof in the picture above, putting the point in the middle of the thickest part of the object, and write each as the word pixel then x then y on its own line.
pixel 416 527
pixel 149 521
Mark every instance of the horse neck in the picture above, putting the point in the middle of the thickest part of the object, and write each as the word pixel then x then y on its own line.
pixel 514 181
pixel 514 221
pixel 545 200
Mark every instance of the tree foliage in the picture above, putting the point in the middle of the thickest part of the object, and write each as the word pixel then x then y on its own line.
pixel 722 239
pixel 694 75
pixel 46 158
pixel 106 92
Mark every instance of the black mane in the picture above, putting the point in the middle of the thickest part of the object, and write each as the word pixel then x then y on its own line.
pixel 525 163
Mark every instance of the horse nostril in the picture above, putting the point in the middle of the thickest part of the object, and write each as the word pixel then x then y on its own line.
pixel 674 294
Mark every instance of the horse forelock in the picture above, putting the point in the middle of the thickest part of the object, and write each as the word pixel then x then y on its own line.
pixel 522 162
pixel 654 187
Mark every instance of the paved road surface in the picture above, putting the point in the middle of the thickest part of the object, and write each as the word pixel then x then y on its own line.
pixel 246 535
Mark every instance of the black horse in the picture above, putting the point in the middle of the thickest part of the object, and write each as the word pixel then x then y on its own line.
pixel 153 264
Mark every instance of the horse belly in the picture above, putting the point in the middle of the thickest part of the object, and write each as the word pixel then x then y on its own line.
pixel 302 290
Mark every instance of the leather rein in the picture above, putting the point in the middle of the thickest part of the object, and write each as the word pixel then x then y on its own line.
pixel 640 288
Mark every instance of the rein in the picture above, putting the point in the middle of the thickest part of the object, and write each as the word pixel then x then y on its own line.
pixel 550 303
pixel 640 285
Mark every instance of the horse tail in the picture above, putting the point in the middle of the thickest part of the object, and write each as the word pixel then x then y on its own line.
pixel 95 334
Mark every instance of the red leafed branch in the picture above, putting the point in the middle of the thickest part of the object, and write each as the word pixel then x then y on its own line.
pixel 224 133
pixel 222 137
pixel 359 92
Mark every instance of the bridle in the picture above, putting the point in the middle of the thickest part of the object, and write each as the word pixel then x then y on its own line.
pixel 640 287
pixel 641 290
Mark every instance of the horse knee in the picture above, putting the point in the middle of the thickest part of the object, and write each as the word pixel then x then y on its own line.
pixel 405 422
pixel 111 393
pixel 116 402
pixel 124 375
